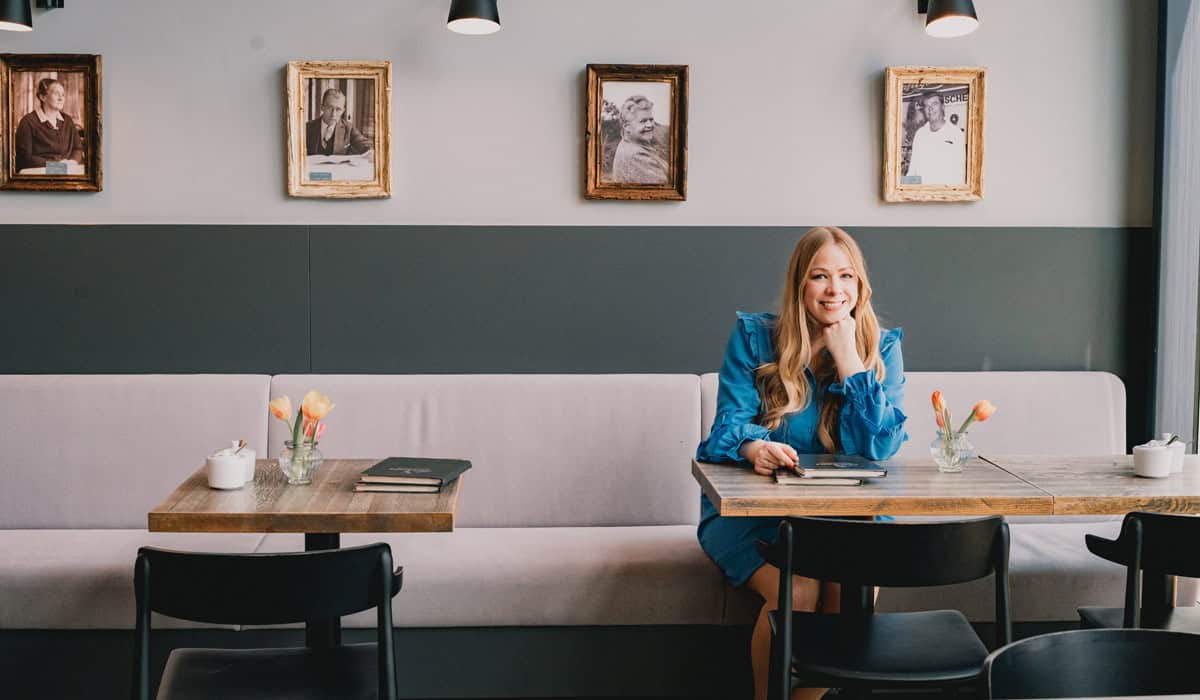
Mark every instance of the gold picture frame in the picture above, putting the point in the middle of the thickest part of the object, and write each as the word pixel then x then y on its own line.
pixel 45 147
pixel 628 161
pixel 922 163
pixel 339 129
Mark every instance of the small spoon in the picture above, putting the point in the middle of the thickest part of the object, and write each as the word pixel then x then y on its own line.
pixel 1173 438
pixel 241 444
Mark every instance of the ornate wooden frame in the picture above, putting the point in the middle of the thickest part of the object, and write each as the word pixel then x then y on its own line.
pixel 298 73
pixel 93 178
pixel 895 78
pixel 676 187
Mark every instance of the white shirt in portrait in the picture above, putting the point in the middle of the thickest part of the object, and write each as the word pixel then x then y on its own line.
pixel 939 157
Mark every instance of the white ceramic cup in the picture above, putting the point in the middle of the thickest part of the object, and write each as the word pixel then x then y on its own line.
pixel 248 456
pixel 226 471
pixel 1152 461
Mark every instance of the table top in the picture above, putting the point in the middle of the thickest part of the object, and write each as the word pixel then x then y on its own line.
pixel 1103 484
pixel 988 485
pixel 330 504
pixel 913 486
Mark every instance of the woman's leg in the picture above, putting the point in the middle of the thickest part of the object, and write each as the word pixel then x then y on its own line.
pixel 805 597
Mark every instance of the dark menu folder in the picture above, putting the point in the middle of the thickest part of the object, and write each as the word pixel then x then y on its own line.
pixel 421 471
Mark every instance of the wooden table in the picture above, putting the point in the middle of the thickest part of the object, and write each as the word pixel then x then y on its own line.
pixel 991 485
pixel 913 486
pixel 322 510
pixel 1103 484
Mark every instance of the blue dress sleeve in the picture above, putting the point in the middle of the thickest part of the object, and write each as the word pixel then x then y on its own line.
pixel 737 399
pixel 872 417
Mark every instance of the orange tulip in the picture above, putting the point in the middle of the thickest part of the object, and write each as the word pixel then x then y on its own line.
pixel 281 408
pixel 941 422
pixel 984 410
pixel 939 404
pixel 316 406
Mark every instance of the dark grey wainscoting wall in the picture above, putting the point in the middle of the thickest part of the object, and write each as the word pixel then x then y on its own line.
pixel 412 299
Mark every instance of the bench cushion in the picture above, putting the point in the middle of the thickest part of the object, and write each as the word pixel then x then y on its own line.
pixel 546 450
pixel 482 577
pixel 102 450
pixel 83 579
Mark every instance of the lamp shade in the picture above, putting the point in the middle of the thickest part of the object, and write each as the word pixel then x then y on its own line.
pixel 473 17
pixel 950 18
pixel 15 16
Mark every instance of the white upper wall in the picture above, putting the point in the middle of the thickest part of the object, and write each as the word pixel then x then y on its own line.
pixel 785 115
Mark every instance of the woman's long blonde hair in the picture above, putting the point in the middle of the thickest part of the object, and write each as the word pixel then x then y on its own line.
pixel 782 385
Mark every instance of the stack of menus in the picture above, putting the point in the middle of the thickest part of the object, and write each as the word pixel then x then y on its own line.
pixel 411 474
pixel 829 470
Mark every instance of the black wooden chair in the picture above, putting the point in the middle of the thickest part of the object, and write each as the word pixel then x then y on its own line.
pixel 860 649
pixel 1095 663
pixel 1152 547
pixel 267 589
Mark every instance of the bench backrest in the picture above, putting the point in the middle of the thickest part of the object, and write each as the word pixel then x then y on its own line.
pixel 99 451
pixel 1057 413
pixel 546 450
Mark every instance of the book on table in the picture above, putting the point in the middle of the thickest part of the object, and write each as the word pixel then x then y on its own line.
pixel 829 470
pixel 411 474
pixel 396 488
pixel 838 466
pixel 787 477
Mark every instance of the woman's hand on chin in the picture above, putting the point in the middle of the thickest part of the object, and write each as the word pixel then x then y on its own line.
pixel 840 338
pixel 841 341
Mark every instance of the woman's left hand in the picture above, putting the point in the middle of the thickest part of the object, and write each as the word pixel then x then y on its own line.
pixel 840 339
pixel 842 343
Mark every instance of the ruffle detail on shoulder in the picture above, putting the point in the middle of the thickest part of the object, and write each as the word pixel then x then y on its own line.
pixel 758 328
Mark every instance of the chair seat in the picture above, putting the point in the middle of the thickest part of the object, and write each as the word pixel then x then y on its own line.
pixel 917 648
pixel 349 671
pixel 1176 619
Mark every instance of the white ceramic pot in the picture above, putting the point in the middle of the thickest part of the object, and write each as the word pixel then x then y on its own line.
pixel 226 470
pixel 1152 461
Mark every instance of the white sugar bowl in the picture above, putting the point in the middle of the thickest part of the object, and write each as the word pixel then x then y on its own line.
pixel 1152 461
pixel 226 470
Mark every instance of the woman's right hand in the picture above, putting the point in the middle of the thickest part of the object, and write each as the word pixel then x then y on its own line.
pixel 766 456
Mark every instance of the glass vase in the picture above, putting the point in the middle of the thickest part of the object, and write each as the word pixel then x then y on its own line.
pixel 299 464
pixel 950 455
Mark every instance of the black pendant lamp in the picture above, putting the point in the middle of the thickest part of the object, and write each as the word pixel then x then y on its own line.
pixel 949 18
pixel 15 16
pixel 473 17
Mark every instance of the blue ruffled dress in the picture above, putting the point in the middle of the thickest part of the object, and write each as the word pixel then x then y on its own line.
pixel 871 423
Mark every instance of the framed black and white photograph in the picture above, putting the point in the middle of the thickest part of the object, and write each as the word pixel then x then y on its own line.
pixel 934 134
pixel 338 128
pixel 51 117
pixel 636 132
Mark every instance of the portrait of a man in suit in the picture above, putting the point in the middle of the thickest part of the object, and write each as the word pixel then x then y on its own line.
pixel 332 133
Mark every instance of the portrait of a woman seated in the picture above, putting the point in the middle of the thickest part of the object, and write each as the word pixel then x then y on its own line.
pixel 48 134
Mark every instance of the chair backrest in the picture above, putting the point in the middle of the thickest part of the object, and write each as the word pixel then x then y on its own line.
pixel 1101 662
pixel 1168 543
pixel 905 554
pixel 264 589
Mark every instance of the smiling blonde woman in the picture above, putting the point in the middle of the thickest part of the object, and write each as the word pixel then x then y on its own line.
pixel 819 377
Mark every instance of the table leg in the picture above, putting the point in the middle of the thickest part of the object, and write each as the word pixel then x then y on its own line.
pixel 857 599
pixel 322 634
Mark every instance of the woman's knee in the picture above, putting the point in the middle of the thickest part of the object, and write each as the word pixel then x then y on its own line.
pixel 806 592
